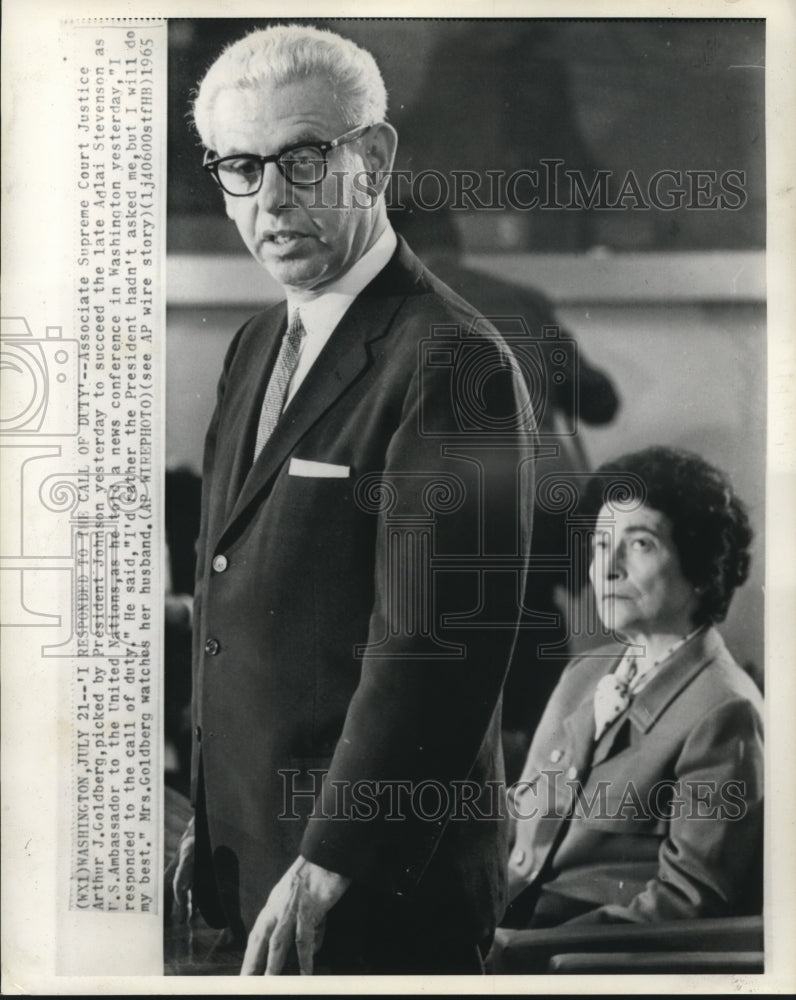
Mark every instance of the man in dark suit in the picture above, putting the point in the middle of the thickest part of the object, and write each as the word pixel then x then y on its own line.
pixel 365 534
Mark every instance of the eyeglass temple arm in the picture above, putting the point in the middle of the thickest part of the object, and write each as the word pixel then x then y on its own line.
pixel 354 133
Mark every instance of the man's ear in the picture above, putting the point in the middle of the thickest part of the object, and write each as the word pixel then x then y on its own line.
pixel 381 142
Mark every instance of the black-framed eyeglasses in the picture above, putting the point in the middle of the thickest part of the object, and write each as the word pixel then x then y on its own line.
pixel 303 165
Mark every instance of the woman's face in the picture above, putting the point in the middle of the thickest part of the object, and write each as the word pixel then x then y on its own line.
pixel 636 575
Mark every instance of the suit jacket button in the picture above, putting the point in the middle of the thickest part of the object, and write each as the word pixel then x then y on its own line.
pixel 220 563
pixel 212 647
pixel 572 773
pixel 556 756
pixel 198 734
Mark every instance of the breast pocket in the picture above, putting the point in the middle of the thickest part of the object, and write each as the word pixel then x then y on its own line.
pixel 305 468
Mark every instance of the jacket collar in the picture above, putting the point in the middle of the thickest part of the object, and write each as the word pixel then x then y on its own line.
pixel 648 705
pixel 686 662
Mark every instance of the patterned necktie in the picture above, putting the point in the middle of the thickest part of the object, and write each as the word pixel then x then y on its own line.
pixel 612 695
pixel 274 398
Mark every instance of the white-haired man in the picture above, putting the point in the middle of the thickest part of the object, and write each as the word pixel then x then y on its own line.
pixel 364 526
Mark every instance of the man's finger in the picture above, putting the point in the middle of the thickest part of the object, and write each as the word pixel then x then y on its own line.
pixel 280 941
pixel 257 945
pixel 306 931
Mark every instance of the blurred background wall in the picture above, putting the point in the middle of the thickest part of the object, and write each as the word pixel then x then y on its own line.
pixel 671 304
pixel 613 95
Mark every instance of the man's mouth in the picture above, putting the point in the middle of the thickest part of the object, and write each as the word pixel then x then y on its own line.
pixel 284 237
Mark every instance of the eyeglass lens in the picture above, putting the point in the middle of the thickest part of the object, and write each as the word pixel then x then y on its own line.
pixel 243 174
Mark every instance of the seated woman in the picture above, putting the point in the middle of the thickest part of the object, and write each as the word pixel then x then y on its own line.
pixel 642 794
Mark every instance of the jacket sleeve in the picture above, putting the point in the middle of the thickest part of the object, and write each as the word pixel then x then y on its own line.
pixel 709 864
pixel 429 691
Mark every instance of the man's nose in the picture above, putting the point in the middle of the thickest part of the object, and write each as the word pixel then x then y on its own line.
pixel 276 193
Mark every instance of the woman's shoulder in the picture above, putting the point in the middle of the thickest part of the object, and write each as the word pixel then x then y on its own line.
pixel 704 690
pixel 724 678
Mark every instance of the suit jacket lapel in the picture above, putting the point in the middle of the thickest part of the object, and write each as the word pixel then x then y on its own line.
pixel 344 357
pixel 610 741
pixel 579 725
pixel 649 704
pixel 244 419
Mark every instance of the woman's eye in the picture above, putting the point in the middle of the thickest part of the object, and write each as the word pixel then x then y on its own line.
pixel 642 544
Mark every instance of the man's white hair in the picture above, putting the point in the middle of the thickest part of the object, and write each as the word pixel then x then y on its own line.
pixel 286 53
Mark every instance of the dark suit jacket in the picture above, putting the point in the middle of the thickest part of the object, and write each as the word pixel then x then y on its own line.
pixel 314 648
pixel 595 829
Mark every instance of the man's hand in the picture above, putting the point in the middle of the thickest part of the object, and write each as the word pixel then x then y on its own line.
pixel 183 876
pixel 295 911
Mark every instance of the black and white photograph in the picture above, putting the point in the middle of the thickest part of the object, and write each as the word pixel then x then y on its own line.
pixel 397 473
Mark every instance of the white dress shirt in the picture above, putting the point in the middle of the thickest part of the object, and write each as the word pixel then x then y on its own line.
pixel 321 313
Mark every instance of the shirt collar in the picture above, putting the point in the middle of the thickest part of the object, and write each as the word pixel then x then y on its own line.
pixel 321 314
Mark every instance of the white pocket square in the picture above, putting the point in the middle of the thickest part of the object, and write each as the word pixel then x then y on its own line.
pixel 327 470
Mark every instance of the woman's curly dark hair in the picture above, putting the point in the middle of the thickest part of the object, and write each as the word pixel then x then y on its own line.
pixel 710 525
